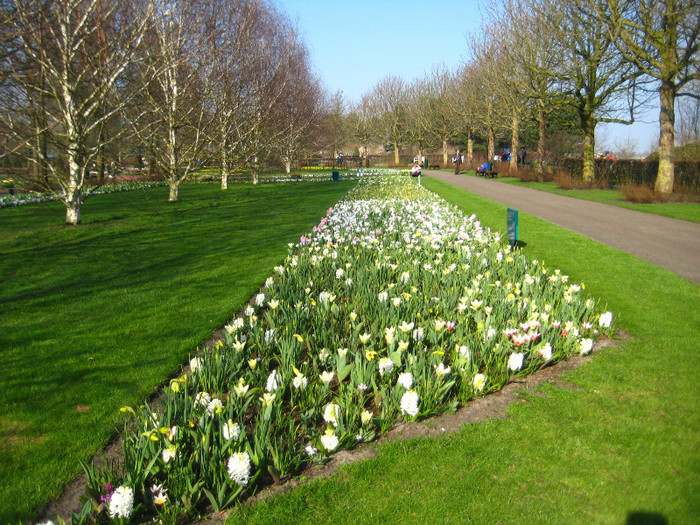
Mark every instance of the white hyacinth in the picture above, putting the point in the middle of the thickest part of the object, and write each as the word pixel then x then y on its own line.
pixel 239 468
pixel 231 430
pixel 329 441
pixel 386 366
pixel 405 380
pixel 260 299
pixel 479 382
pixel 515 361
pixel 409 403
pixel 195 364
pixel 121 503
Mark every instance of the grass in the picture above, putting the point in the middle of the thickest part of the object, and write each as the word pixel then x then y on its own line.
pixel 687 211
pixel 95 317
pixel 619 444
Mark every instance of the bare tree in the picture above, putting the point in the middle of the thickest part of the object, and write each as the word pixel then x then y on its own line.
pixel 465 103
pixel 63 77
pixel 438 109
pixel 531 57
pixel 485 96
pixel 389 102
pixel 593 76
pixel 688 111
pixel 359 124
pixel 334 129
pixel 660 37
pixel 178 98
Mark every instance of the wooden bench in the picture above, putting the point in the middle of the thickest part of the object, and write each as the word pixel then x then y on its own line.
pixel 434 167
pixel 488 172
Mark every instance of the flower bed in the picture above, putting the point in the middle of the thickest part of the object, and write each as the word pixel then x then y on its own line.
pixel 395 306
pixel 21 199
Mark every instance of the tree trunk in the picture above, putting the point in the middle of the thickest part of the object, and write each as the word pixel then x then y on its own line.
pixel 589 151
pixel 174 190
pixel 491 149
pixel 665 175
pixel 224 167
pixel 396 154
pixel 541 137
pixel 470 150
pixel 444 153
pixel 72 192
pixel 288 165
pixel 515 125
pixel 73 211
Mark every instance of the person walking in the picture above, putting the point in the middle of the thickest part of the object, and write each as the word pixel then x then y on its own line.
pixel 457 159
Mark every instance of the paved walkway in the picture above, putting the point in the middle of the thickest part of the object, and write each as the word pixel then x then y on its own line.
pixel 672 244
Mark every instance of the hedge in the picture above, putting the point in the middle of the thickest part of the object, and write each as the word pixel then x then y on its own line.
pixel 617 172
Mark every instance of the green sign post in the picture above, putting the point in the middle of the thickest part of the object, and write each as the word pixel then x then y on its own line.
pixel 512 227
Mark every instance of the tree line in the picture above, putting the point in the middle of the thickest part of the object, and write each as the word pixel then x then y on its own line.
pixel 180 84
pixel 539 66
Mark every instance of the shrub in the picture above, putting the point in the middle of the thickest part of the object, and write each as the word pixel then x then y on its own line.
pixel 640 193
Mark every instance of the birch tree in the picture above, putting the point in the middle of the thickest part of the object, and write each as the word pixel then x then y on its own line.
pixel 178 98
pixel 68 59
pixel 660 37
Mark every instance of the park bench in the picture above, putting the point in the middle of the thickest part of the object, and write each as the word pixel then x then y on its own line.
pixel 434 166
pixel 488 172
pixel 296 176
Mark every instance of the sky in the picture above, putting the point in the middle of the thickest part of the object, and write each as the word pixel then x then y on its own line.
pixel 354 44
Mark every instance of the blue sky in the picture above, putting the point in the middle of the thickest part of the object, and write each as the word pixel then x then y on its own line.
pixel 354 44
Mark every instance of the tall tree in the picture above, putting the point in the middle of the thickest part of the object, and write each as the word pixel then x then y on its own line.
pixel 65 71
pixel 593 76
pixel 660 37
pixel 181 34
pixel 438 109
pixel 532 55
pixel 389 101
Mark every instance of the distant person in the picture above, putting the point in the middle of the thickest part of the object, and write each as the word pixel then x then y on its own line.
pixel 457 159
pixel 523 153
pixel 415 171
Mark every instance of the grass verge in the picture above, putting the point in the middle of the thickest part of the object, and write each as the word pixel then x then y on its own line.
pixel 687 211
pixel 619 444
pixel 94 317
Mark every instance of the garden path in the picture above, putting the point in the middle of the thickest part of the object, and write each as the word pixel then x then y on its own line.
pixel 672 244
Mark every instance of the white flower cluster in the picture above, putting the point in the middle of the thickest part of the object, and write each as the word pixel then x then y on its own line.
pixel 239 468
pixel 121 503
pixel 409 403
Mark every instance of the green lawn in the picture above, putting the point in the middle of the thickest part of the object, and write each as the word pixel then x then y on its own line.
pixel 688 211
pixel 94 317
pixel 620 444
